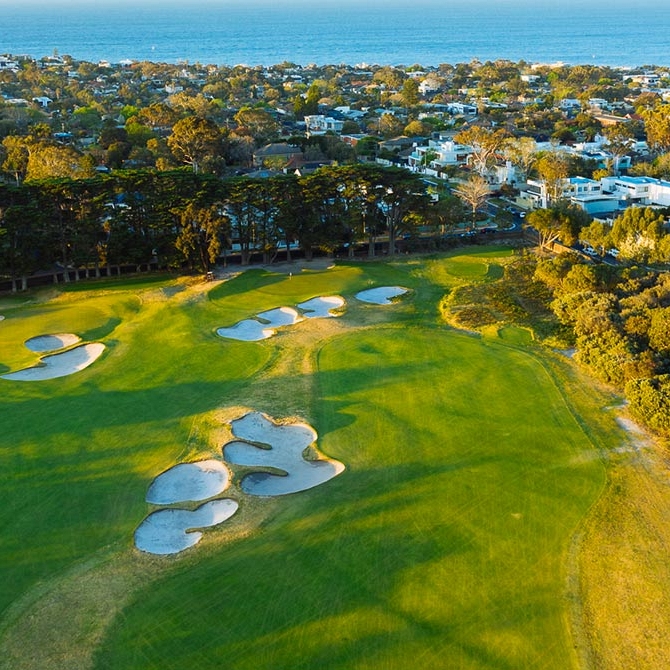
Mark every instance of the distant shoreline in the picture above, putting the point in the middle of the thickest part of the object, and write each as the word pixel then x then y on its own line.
pixel 348 33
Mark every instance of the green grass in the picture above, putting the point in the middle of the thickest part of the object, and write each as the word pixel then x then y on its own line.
pixel 442 545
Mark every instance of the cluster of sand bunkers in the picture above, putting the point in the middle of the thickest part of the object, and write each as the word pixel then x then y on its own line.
pixel 65 355
pixel 56 363
pixel 272 455
pixel 265 324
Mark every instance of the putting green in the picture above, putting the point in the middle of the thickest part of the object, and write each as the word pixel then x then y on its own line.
pixel 442 545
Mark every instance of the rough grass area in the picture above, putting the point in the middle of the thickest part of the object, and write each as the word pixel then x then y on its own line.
pixel 624 567
pixel 448 542
pixel 504 294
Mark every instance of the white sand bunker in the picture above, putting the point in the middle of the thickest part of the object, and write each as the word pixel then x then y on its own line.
pixel 280 316
pixel 322 307
pixel 289 471
pixel 383 295
pixel 189 481
pixel 43 343
pixel 262 325
pixel 169 531
pixel 277 450
pixel 248 330
pixel 60 365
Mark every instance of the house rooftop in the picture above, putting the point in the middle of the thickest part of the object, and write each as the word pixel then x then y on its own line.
pixel 637 180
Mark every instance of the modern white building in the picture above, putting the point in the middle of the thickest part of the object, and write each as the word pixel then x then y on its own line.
pixel 537 194
pixel 638 190
pixel 318 124
pixel 609 195
pixel 438 154
pixel 7 64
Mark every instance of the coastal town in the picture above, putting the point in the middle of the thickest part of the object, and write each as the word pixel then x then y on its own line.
pixel 609 124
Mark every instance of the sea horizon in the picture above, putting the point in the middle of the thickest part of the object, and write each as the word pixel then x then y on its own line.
pixel 262 34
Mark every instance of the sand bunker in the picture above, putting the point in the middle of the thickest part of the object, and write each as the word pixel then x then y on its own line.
pixel 280 316
pixel 189 482
pixel 283 469
pixel 248 330
pixel 43 343
pixel 382 295
pixel 290 472
pixel 252 330
pixel 60 365
pixel 169 531
pixel 321 308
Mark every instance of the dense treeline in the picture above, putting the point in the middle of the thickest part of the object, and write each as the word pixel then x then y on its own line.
pixel 619 318
pixel 184 218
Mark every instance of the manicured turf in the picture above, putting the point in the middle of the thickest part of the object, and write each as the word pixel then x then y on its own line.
pixel 442 545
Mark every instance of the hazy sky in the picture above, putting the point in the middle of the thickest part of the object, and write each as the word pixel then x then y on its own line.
pixel 306 3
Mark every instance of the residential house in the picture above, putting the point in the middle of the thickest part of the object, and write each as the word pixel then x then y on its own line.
pixel 318 124
pixel 638 190
pixel 429 85
pixel 599 103
pixel 462 108
pixel 647 79
pixel 43 101
pixel 438 154
pixel 570 104
pixel 300 167
pixel 536 193
pixel 280 151
pixel 8 64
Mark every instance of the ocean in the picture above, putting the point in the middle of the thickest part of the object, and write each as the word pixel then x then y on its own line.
pixel 259 32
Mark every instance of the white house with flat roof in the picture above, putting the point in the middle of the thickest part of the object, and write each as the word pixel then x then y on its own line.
pixel 8 64
pixel 438 154
pixel 537 193
pixel 318 124
pixel 638 190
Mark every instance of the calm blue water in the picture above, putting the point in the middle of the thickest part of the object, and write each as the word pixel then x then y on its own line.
pixel 257 32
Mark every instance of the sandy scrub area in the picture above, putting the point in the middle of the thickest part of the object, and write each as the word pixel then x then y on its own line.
pixel 43 343
pixel 383 295
pixel 60 365
pixel 281 453
pixel 638 436
pixel 169 531
pixel 321 307
pixel 189 482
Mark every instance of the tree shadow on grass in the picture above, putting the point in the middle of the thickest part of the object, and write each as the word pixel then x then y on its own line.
pixel 250 280
pixel 101 331
pixel 88 409
pixel 289 578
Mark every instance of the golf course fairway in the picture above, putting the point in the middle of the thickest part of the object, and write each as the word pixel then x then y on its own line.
pixel 444 543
